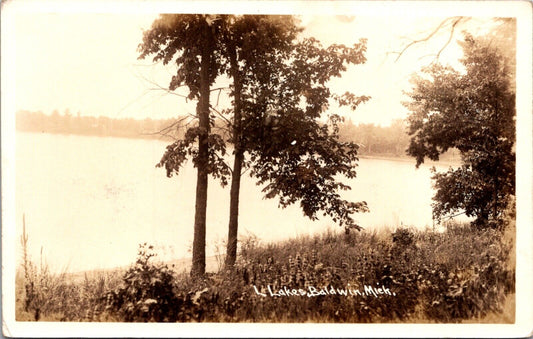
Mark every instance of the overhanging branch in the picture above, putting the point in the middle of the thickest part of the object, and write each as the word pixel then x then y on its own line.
pixel 454 21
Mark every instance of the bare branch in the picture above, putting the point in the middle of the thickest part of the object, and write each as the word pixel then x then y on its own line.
pixel 131 102
pixel 427 56
pixel 449 38
pixel 218 89
pixel 443 23
pixel 169 92
pixel 164 131
pixel 218 96
pixel 161 88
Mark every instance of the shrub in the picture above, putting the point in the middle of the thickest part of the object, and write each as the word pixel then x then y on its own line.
pixel 146 292
pixel 461 273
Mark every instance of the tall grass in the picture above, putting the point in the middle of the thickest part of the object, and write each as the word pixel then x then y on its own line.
pixel 461 274
pixel 42 295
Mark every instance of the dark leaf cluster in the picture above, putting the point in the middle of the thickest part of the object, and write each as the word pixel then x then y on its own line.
pixel 295 156
pixel 472 111
pixel 177 154
pixel 280 91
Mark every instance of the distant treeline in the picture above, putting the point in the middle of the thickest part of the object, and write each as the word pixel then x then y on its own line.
pixel 390 141
pixel 376 140
pixel 89 125
pixel 373 140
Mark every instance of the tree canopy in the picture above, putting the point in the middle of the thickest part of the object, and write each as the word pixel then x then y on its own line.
pixel 472 110
pixel 279 94
pixel 193 40
pixel 295 155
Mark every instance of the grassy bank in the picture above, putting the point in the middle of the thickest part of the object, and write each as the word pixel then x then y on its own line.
pixel 408 275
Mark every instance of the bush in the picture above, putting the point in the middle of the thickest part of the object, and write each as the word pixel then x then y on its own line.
pixel 460 274
pixel 146 292
pixel 403 237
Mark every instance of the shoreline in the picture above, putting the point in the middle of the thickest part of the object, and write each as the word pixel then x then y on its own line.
pixel 181 265
pixel 447 162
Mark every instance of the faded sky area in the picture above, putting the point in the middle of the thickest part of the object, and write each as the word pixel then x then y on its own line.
pixel 87 63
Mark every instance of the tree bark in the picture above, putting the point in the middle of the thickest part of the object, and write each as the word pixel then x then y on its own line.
pixel 198 250
pixel 231 251
pixel 233 227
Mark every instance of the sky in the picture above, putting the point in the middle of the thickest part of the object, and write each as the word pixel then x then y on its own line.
pixel 87 62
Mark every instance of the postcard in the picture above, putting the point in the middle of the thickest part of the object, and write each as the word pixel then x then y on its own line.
pixel 266 168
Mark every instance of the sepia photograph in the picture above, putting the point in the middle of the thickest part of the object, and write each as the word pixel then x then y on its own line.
pixel 340 168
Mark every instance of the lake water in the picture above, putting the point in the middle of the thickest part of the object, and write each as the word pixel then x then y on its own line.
pixel 89 201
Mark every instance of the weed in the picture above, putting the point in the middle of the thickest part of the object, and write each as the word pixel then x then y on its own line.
pixel 460 274
pixel 146 292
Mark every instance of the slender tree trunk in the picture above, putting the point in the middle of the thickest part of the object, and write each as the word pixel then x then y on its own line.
pixel 198 250
pixel 231 251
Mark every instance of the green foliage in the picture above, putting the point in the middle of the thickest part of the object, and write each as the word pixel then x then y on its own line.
pixel 39 286
pixel 432 277
pixel 146 292
pixel 279 94
pixel 198 44
pixel 55 297
pixel 474 112
pixel 444 277
pixel 42 295
pixel 274 76
pixel 403 237
pixel 460 274
pixel 204 47
pixel 295 156
pixel 178 152
pixel 307 172
pixel 178 36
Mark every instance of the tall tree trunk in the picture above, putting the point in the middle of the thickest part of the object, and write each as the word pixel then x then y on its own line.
pixel 231 251
pixel 198 249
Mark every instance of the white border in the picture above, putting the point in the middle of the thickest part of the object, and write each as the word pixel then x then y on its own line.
pixel 524 284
